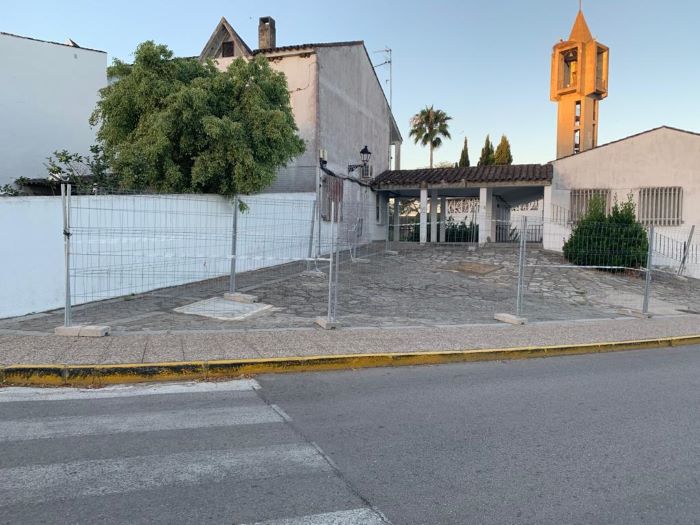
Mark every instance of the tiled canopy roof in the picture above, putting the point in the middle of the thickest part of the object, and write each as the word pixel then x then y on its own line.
pixel 475 174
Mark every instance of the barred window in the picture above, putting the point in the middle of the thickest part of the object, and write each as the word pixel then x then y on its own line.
pixel 661 206
pixel 331 191
pixel 580 199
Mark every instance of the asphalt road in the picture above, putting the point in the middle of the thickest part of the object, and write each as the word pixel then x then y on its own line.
pixel 610 438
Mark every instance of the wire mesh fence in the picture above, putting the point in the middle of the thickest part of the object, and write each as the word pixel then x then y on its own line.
pixel 157 258
pixel 151 254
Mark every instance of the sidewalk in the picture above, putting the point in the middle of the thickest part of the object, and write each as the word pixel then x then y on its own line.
pixel 150 347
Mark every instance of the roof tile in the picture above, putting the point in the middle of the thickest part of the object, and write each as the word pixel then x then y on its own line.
pixel 474 174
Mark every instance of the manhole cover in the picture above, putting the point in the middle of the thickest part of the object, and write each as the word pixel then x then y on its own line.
pixel 472 267
pixel 223 309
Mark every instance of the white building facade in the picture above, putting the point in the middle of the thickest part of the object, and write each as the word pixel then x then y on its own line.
pixel 47 94
pixel 658 169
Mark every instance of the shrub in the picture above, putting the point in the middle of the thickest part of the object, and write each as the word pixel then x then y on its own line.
pixel 615 239
pixel 461 232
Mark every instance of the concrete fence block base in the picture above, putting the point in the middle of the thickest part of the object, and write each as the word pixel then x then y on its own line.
pixel 326 324
pixel 241 297
pixel 510 319
pixel 83 331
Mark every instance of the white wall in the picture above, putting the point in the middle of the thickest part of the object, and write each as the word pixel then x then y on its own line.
pixel 129 244
pixel 353 111
pixel 47 93
pixel 31 260
pixel 659 158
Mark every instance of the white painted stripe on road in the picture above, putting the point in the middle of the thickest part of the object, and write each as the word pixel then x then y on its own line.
pixel 54 427
pixel 37 483
pixel 343 517
pixel 16 394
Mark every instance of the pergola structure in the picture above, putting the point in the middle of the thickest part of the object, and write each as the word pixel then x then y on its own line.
pixel 498 189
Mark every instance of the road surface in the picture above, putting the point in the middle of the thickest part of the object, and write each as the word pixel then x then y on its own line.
pixel 611 438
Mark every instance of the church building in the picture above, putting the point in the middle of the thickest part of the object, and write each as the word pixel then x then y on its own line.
pixel 659 169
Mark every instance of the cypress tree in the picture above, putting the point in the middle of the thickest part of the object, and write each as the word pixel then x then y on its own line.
pixel 487 154
pixel 503 154
pixel 464 156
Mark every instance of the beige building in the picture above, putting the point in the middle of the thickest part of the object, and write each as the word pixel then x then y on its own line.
pixel 579 82
pixel 338 103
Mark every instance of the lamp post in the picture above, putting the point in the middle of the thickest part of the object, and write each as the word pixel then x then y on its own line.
pixel 365 155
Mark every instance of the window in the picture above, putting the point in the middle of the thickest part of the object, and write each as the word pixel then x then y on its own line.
pixel 661 206
pixel 580 199
pixel 577 141
pixel 577 114
pixel 331 192
pixel 227 49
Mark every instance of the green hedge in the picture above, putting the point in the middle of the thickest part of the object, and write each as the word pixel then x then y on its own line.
pixel 615 239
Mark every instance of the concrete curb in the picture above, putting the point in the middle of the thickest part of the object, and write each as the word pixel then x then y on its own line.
pixel 99 375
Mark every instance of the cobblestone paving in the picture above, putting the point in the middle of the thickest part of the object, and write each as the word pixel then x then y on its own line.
pixel 429 286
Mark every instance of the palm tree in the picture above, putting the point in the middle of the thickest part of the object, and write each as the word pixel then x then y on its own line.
pixel 428 127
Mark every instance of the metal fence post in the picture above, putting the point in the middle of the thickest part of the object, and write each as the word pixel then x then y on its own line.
pixel 337 263
pixel 331 312
pixel 65 201
pixel 521 268
pixel 647 284
pixel 686 248
pixel 388 221
pixel 234 237
pixel 311 236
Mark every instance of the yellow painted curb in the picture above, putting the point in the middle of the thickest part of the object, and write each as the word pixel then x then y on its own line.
pixel 97 375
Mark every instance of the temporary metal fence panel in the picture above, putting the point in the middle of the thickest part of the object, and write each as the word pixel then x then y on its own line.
pixel 131 254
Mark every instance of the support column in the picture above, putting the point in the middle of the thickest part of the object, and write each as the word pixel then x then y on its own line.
pixel 487 225
pixel 397 155
pixel 443 218
pixel 397 219
pixel 423 215
pixel 433 216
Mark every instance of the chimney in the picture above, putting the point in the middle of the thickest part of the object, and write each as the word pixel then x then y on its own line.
pixel 267 35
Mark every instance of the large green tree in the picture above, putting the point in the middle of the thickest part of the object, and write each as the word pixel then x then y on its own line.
pixel 503 154
pixel 429 126
pixel 464 156
pixel 175 125
pixel 487 154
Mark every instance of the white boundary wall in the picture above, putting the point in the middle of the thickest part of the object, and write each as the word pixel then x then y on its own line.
pixel 124 244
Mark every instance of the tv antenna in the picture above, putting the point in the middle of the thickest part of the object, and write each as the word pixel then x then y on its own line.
pixel 387 61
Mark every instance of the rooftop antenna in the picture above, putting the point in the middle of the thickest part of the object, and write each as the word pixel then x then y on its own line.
pixel 580 8
pixel 387 61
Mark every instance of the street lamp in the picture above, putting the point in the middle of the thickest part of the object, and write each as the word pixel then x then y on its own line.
pixel 365 155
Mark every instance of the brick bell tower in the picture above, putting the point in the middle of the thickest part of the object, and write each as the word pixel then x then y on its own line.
pixel 579 82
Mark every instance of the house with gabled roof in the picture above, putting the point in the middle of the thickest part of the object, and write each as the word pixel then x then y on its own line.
pixel 338 104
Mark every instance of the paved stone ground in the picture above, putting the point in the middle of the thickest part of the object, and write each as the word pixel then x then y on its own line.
pixel 435 298
pixel 442 285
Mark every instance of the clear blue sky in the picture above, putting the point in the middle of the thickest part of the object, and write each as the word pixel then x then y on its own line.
pixel 487 64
